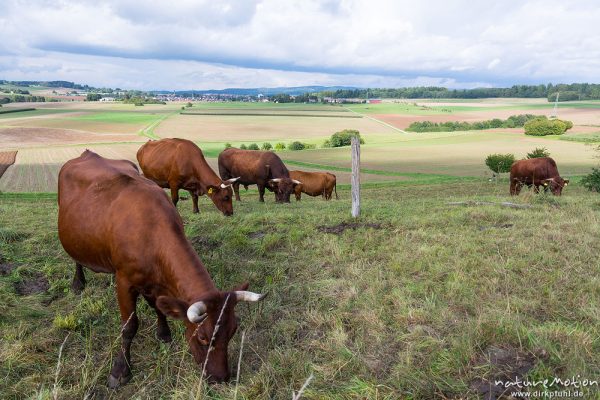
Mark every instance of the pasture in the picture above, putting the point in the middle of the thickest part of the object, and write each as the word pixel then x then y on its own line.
pixel 416 299
pixel 468 294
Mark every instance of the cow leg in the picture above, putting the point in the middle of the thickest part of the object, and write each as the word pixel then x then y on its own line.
pixel 163 332
pixel 121 369
pixel 261 193
pixel 195 202
pixel 78 283
pixel 174 194
pixel 236 189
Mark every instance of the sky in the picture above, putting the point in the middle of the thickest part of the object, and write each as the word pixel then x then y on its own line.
pixel 211 44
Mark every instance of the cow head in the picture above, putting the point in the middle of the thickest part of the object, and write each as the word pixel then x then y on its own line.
pixel 210 322
pixel 283 188
pixel 555 184
pixel 222 196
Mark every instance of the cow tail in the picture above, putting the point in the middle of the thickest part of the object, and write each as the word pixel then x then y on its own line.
pixel 335 189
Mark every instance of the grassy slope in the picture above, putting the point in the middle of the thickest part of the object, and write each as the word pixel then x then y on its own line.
pixel 402 311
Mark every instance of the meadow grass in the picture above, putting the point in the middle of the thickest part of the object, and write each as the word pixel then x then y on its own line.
pixel 406 308
pixel 119 117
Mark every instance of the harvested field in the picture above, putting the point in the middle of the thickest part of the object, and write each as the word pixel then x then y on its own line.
pixel 36 169
pixel 7 158
pixel 23 137
pixel 259 128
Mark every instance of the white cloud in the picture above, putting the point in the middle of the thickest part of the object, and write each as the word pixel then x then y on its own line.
pixel 263 42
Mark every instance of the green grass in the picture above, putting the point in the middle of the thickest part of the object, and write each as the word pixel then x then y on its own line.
pixel 34 113
pixel 405 311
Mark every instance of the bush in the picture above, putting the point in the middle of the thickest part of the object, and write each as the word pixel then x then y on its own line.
pixel 228 145
pixel 500 162
pixel 266 146
pixel 327 144
pixel 253 146
pixel 243 147
pixel 188 105
pixel 296 146
pixel 343 138
pixel 539 152
pixel 280 146
pixel 592 181
pixel 544 127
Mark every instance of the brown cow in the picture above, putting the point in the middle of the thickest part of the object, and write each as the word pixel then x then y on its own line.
pixel 263 168
pixel 537 172
pixel 180 164
pixel 113 220
pixel 315 184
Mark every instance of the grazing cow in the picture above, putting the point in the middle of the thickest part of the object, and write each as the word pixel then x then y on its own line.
pixel 113 220
pixel 537 172
pixel 180 164
pixel 263 168
pixel 314 184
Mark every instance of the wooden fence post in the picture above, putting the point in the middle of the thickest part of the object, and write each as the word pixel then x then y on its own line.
pixel 355 176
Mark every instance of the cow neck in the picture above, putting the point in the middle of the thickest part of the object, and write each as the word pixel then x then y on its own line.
pixel 190 279
pixel 206 176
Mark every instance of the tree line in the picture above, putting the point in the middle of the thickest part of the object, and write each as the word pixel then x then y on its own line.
pixel 568 92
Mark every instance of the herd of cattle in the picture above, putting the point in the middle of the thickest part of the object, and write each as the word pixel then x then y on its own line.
pixel 112 219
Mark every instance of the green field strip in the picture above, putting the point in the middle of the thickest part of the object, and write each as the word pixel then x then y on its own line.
pixel 268 114
pixel 34 113
pixel 15 110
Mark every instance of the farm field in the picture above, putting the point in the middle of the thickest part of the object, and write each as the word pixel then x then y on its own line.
pixel 55 132
pixel 469 294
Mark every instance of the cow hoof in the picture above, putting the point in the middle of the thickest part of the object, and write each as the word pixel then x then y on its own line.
pixel 77 287
pixel 114 383
pixel 164 337
pixel 196 211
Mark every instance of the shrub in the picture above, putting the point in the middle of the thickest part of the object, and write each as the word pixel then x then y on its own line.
pixel 544 127
pixel 343 138
pixel 189 104
pixel 228 145
pixel 266 146
pixel 244 147
pixel 280 146
pixel 296 146
pixel 327 144
pixel 253 146
pixel 500 162
pixel 538 153
pixel 592 181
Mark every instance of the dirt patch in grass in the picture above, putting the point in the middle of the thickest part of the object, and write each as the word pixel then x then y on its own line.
pixel 6 267
pixel 341 227
pixel 7 158
pixel 32 285
pixel 204 243
pixel 497 226
pixel 506 364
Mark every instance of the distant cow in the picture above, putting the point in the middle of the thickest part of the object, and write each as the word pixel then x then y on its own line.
pixel 113 220
pixel 537 172
pixel 180 164
pixel 263 168
pixel 314 184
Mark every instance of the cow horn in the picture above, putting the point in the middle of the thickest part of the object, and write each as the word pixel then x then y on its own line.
pixel 229 182
pixel 275 180
pixel 296 182
pixel 243 295
pixel 197 312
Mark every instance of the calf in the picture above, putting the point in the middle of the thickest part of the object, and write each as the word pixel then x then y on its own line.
pixel 113 220
pixel 314 184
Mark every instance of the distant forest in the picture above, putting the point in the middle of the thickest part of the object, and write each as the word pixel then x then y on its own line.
pixel 568 92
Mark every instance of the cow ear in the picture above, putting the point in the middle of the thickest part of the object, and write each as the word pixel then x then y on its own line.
pixel 172 307
pixel 272 183
pixel 210 190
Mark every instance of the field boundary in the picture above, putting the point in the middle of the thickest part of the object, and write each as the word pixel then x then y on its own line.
pixel 378 121
pixel 260 114
pixel 15 110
